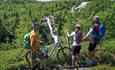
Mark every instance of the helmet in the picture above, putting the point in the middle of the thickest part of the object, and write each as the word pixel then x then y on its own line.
pixel 96 18
pixel 77 25
pixel 35 24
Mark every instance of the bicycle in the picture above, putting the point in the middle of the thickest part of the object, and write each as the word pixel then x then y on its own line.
pixel 63 55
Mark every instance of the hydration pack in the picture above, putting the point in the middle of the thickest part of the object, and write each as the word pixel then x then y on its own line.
pixel 78 37
pixel 26 41
pixel 101 30
pixel 98 31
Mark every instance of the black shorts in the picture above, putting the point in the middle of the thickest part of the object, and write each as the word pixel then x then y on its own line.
pixel 93 44
pixel 76 50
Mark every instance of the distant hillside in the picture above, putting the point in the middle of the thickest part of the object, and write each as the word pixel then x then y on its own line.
pixel 16 17
pixel 104 9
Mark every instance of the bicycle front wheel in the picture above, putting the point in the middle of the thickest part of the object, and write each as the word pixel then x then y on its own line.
pixel 64 55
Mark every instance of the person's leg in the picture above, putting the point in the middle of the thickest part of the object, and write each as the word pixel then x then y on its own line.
pixel 96 42
pixel 91 51
pixel 76 60
pixel 73 59
pixel 78 48
pixel 32 61
pixel 91 54
pixel 42 65
pixel 40 55
pixel 73 55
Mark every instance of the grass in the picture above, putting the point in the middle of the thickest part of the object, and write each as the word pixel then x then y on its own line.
pixel 13 59
pixel 102 67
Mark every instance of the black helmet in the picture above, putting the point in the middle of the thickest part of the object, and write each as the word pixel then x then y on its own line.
pixel 34 24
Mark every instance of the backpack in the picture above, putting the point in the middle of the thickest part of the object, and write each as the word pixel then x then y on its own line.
pixel 26 41
pixel 78 37
pixel 101 30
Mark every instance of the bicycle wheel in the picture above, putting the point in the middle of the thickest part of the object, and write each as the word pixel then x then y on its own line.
pixel 27 56
pixel 64 55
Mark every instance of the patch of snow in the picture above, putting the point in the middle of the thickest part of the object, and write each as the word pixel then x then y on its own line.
pixel 82 5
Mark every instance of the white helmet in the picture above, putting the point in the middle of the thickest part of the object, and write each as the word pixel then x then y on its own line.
pixel 77 25
pixel 96 18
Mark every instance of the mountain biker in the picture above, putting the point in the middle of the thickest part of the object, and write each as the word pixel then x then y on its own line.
pixel 77 37
pixel 35 46
pixel 95 39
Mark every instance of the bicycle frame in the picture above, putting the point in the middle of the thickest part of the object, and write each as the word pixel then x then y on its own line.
pixel 52 51
pixel 56 46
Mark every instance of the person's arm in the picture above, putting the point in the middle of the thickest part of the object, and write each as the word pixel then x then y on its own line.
pixel 91 29
pixel 70 34
pixel 32 40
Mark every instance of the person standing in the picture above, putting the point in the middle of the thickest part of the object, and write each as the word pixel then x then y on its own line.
pixel 76 46
pixel 35 47
pixel 95 37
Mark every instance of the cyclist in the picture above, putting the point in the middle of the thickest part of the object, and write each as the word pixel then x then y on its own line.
pixel 77 37
pixel 95 39
pixel 35 47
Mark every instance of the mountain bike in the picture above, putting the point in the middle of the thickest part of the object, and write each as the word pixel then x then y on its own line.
pixel 63 54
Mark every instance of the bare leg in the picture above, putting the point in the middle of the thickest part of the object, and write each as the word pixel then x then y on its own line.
pixel 77 57
pixel 73 59
pixel 91 54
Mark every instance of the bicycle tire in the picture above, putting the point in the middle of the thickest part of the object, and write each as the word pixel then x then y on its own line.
pixel 64 55
pixel 27 56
